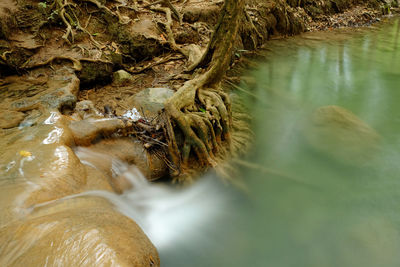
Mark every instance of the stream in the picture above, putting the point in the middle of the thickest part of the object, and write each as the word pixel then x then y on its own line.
pixel 321 186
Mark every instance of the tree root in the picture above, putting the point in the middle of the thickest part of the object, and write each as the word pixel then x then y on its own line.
pixel 77 66
pixel 4 55
pixel 254 28
pixel 107 10
pixel 168 27
pixel 169 5
pixel 175 11
pixel 61 6
pixel 135 70
pixel 72 20
pixel 204 126
pixel 69 21
pixel 200 110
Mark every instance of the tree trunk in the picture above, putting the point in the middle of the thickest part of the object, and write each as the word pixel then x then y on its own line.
pixel 200 109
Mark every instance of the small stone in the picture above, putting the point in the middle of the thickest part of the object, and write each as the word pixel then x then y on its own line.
pixel 121 77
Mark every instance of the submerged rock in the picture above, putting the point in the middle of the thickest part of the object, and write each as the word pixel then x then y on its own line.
pixel 340 134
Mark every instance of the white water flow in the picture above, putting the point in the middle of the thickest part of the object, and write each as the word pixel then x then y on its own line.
pixel 170 216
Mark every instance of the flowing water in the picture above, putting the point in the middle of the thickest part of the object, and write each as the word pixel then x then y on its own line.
pixel 321 191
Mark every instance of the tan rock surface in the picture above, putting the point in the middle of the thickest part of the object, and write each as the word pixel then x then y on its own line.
pixel 39 224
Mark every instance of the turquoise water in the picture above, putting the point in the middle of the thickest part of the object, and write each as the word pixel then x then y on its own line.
pixel 306 206
pixel 321 211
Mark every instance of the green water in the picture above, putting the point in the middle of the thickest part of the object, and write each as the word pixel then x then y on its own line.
pixel 320 211
pixel 305 207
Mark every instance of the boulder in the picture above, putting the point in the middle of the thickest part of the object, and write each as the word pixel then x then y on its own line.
pixel 151 100
pixel 341 135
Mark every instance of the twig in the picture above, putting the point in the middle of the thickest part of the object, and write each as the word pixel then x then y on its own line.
pixel 266 170
pixel 242 90
pixel 153 64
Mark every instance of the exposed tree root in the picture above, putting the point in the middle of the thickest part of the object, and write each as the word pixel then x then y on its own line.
pixel 200 109
pixel 169 5
pixel 135 70
pixel 168 28
pixel 176 12
pixel 205 128
pixel 77 66
pixel 253 27
pixel 70 19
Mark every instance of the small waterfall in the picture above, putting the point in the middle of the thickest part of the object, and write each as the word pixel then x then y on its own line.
pixel 169 215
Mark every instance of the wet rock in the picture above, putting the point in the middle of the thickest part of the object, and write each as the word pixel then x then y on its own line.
pixel 74 232
pixel 10 119
pixel 151 100
pixel 132 151
pixel 121 77
pixel 91 129
pixel 341 135
pixel 38 168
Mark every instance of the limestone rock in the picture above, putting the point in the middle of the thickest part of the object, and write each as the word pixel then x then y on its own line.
pixel 88 130
pixel 133 152
pixel 38 168
pixel 151 100
pixel 121 77
pixel 341 135
pixel 76 232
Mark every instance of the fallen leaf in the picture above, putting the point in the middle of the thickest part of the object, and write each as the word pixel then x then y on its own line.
pixel 25 153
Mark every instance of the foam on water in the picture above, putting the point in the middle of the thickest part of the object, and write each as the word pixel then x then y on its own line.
pixel 166 214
